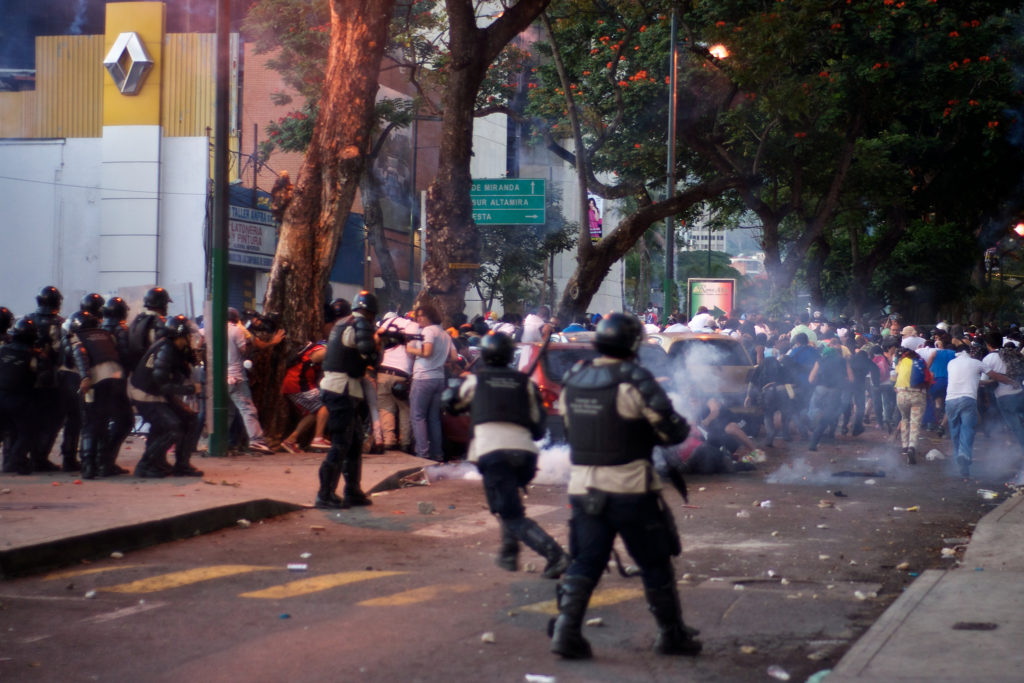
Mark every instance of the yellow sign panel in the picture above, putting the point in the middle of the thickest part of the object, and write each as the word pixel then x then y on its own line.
pixel 146 20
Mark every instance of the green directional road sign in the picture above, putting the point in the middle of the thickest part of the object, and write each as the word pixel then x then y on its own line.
pixel 509 201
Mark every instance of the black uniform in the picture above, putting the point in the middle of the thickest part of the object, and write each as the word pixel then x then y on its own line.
pixel 161 378
pixel 49 406
pixel 19 371
pixel 507 416
pixel 613 490
pixel 96 356
pixel 351 348
pixel 123 417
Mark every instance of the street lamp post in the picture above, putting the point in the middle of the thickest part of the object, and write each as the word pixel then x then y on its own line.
pixel 669 285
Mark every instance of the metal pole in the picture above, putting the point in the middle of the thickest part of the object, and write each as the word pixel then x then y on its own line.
pixel 413 211
pixel 669 284
pixel 219 253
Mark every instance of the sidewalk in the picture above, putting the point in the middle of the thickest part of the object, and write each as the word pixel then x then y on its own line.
pixel 965 624
pixel 48 520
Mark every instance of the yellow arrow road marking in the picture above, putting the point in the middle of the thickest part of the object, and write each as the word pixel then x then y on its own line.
pixel 184 578
pixel 71 573
pixel 601 599
pixel 411 597
pixel 316 584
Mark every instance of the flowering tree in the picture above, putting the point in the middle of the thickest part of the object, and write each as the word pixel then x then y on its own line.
pixel 828 121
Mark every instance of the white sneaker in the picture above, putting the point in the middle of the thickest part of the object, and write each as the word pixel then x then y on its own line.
pixel 260 447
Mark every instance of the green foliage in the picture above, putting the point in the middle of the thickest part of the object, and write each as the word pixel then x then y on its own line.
pixel 927 92
pixel 513 258
pixel 297 32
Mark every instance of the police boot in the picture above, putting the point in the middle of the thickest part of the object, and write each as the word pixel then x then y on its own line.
pixel 508 554
pixel 567 635
pixel 107 465
pixel 182 468
pixel 70 460
pixel 540 542
pixel 674 637
pixel 352 468
pixel 88 464
pixel 326 497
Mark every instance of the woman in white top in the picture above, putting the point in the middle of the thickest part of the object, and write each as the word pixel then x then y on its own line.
pixel 430 355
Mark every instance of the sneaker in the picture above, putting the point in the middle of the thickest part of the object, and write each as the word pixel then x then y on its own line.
pixel 186 472
pixel 291 447
pixel 320 444
pixel 260 447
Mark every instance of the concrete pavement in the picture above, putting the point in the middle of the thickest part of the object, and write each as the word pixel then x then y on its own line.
pixel 48 520
pixel 962 624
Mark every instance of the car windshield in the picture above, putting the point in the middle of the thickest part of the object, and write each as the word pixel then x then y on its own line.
pixel 709 352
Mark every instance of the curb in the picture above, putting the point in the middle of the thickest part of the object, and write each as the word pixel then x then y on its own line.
pixel 52 554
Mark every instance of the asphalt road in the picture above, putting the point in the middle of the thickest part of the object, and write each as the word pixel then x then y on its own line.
pixel 784 567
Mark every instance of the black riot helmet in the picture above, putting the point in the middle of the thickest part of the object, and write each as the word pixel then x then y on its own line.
pixel 365 301
pixel 497 349
pixel 50 298
pixel 177 327
pixel 83 320
pixel 618 335
pixel 115 308
pixel 92 303
pixel 156 299
pixel 6 319
pixel 25 332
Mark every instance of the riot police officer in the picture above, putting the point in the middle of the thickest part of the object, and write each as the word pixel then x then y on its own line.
pixel 115 313
pixel 351 348
pixel 147 326
pixel 19 369
pixel 507 414
pixel 48 321
pixel 95 355
pixel 615 413
pixel 156 387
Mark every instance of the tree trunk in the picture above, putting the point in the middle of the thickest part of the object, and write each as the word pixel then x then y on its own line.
pixel 391 298
pixel 451 236
pixel 313 223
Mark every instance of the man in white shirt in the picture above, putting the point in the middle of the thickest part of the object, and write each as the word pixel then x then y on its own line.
pixel 962 406
pixel 911 340
pixel 395 369
pixel 536 326
pixel 703 321
pixel 1009 394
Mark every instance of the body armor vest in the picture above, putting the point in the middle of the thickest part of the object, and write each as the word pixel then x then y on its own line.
pixel 347 359
pixel 143 378
pixel 120 332
pixel 17 374
pixel 501 395
pixel 99 345
pixel 598 435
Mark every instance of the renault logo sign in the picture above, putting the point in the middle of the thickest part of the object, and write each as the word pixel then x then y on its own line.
pixel 128 63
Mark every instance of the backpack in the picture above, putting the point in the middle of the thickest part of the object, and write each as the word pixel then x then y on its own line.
pixel 1014 362
pixel 920 374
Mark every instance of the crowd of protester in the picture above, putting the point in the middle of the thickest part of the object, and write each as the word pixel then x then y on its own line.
pixel 814 379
